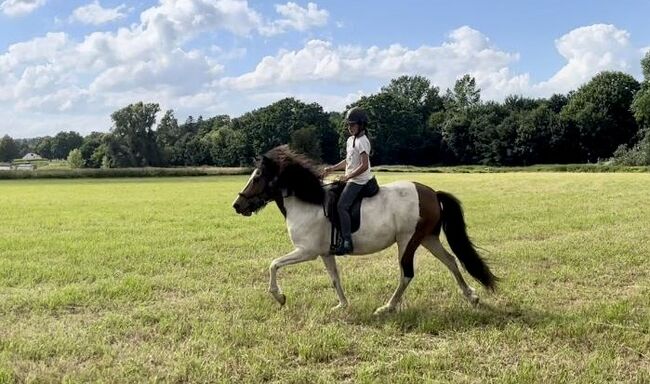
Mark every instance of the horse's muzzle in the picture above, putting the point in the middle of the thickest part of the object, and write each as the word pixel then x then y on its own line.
pixel 240 209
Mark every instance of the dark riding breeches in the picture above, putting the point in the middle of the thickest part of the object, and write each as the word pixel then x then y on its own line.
pixel 348 196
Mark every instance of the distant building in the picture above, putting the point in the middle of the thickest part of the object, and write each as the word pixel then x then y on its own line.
pixel 5 167
pixel 32 156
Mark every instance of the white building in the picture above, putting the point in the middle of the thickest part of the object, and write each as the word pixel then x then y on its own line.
pixel 32 156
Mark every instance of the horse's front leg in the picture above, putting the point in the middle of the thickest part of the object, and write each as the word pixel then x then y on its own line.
pixel 298 255
pixel 330 264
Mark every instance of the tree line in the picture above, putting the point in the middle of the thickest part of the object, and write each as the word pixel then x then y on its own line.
pixel 411 122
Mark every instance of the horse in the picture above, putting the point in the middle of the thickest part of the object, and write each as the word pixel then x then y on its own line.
pixel 407 213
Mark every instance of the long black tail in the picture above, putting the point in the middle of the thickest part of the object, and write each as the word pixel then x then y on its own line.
pixel 453 223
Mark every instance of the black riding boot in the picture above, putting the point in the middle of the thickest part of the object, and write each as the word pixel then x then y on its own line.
pixel 344 248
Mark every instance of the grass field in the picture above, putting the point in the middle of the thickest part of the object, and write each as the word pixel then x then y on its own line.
pixel 147 280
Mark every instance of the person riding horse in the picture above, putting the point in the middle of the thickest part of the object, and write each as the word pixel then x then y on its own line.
pixel 358 175
pixel 403 212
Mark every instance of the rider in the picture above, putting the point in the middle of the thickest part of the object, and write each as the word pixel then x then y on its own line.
pixel 357 172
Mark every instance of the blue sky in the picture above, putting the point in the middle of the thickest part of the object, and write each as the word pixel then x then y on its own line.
pixel 66 65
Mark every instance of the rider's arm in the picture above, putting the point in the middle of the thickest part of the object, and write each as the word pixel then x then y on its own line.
pixel 361 168
pixel 336 167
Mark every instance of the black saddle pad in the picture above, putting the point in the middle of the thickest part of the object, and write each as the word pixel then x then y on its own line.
pixel 332 194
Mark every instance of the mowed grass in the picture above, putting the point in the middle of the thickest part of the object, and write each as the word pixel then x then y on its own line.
pixel 157 280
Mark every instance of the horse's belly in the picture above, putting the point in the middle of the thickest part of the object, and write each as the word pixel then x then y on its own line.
pixel 393 214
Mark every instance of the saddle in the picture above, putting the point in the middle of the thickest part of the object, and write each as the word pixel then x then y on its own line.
pixel 332 193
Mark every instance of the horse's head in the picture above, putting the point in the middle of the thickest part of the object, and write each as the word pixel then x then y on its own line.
pixel 260 189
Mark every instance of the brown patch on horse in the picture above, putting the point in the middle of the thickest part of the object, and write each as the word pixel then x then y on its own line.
pixel 428 223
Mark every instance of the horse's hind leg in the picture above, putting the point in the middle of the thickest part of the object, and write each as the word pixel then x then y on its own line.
pixel 330 264
pixel 433 245
pixel 406 254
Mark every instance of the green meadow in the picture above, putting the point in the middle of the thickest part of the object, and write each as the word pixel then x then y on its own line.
pixel 157 280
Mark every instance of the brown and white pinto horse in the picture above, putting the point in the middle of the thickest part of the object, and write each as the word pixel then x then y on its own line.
pixel 407 213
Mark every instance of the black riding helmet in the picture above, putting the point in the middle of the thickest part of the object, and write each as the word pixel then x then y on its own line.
pixel 359 116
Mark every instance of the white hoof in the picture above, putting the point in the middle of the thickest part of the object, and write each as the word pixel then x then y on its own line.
pixel 279 297
pixel 340 307
pixel 384 309
pixel 472 297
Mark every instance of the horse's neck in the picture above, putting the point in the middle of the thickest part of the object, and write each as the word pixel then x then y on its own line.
pixel 299 211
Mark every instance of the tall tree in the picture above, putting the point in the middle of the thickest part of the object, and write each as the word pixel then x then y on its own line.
pixel 465 94
pixel 133 129
pixel 44 147
pixel 64 142
pixel 167 135
pixel 273 125
pixel 88 148
pixel 599 112
pixel 641 103
pixel 306 141
pixel 227 147
pixel 395 129
pixel 418 92
pixel 8 149
pixel 645 66
pixel 75 159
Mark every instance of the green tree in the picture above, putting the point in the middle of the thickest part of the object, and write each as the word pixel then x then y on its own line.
pixel 44 147
pixel 168 130
pixel 117 152
pixel 641 103
pixel 641 106
pixel 273 125
pixel 395 129
pixel 639 153
pixel 307 142
pixel 8 149
pixel 599 112
pixel 133 131
pixel 418 92
pixel 227 147
pixel 88 148
pixel 167 134
pixel 645 66
pixel 64 142
pixel 75 159
pixel 465 93
pixel 460 125
pixel 484 120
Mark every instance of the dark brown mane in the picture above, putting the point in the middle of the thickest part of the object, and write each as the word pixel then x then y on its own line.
pixel 297 174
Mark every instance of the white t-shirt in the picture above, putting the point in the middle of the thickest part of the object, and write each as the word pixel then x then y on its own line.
pixel 353 158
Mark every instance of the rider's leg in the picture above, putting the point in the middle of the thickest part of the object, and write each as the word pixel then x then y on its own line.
pixel 349 194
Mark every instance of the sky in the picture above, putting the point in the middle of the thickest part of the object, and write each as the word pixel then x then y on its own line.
pixel 68 64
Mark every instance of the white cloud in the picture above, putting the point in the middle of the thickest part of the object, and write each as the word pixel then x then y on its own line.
pixel 40 49
pixel 95 14
pixel 466 51
pixel 54 75
pixel 589 50
pixel 296 17
pixel 20 7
